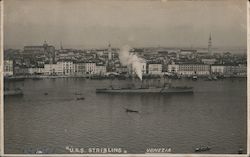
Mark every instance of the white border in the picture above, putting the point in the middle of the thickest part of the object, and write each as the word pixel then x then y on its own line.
pixel 248 75
pixel 131 155
pixel 121 155
pixel 2 80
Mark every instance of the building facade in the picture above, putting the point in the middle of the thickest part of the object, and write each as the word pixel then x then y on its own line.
pixel 173 68
pixel 80 68
pixel 194 69
pixel 100 69
pixel 68 67
pixel 53 69
pixel 218 69
pixel 8 68
pixel 35 71
pixel 155 68
pixel 90 68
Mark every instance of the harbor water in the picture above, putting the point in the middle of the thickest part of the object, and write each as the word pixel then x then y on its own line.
pixel 214 115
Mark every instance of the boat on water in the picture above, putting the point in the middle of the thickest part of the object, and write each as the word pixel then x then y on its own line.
pixel 202 149
pixel 240 151
pixel 129 110
pixel 195 77
pixel 167 88
pixel 14 92
pixel 214 77
pixel 39 152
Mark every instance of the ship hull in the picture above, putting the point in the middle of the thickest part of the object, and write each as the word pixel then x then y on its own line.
pixel 142 91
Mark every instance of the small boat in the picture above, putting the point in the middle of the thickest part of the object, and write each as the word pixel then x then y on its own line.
pixel 46 93
pixel 195 77
pixel 39 152
pixel 209 78
pixel 240 151
pixel 82 98
pixel 202 149
pixel 129 110
pixel 15 92
pixel 214 78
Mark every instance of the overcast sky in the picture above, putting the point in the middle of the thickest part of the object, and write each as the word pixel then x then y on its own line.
pixel 92 23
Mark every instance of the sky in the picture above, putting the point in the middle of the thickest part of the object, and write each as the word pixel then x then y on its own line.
pixel 138 23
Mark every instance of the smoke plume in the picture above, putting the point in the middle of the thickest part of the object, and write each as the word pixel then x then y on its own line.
pixel 128 59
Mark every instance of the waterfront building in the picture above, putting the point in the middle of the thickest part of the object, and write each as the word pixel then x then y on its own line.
pixel 54 69
pixel 173 68
pixel 90 68
pixel 218 69
pixel 229 70
pixel 155 68
pixel 8 68
pixel 68 67
pixel 80 68
pixel 20 70
pixel 100 69
pixel 34 71
pixel 194 69
pixel 239 70
pixel 242 70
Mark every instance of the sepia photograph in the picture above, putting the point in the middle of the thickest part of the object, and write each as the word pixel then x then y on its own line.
pixel 124 77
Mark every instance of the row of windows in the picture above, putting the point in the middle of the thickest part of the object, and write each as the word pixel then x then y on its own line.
pixel 8 69
pixel 154 69
pixel 190 66
pixel 193 69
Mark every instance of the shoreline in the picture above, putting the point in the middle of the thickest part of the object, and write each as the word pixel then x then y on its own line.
pixel 34 77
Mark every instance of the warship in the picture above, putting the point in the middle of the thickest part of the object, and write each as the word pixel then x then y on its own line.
pixel 166 89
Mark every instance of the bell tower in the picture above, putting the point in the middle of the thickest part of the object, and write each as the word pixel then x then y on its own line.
pixel 210 44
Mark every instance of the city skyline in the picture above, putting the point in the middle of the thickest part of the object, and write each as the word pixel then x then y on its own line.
pixel 92 24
